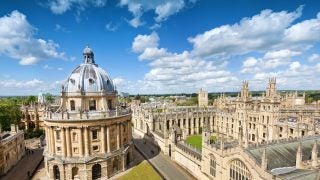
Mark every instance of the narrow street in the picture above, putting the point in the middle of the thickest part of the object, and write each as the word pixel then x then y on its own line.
pixel 28 163
pixel 161 162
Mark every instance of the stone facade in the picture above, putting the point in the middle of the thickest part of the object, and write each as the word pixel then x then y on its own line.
pixel 245 126
pixel 89 136
pixel 12 148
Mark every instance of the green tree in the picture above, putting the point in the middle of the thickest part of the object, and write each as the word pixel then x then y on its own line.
pixel 31 100
pixel 9 112
pixel 49 98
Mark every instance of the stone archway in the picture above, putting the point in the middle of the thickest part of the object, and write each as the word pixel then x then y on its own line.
pixel 56 172
pixel 75 173
pixel 96 172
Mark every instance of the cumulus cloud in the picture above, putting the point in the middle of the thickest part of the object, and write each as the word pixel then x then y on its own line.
pixel 162 9
pixel 17 41
pixel 12 84
pixel 171 71
pixel 263 32
pixel 61 6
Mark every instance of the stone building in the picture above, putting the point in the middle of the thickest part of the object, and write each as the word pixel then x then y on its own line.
pixel 12 148
pixel 89 136
pixel 251 132
pixel 202 98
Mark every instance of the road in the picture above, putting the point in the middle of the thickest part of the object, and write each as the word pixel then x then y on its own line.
pixel 27 163
pixel 161 162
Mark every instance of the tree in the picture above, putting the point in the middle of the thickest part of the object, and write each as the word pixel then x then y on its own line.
pixel 9 112
pixel 49 98
pixel 31 100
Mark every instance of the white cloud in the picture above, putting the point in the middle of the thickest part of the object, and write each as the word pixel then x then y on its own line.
pixel 162 9
pixel 314 58
pixel 251 61
pixel 17 41
pixel 261 32
pixel 118 81
pixel 60 28
pixel 112 27
pixel 11 84
pixel 141 42
pixel 61 6
pixel 177 72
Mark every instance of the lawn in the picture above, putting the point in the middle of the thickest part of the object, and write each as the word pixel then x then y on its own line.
pixel 195 141
pixel 143 171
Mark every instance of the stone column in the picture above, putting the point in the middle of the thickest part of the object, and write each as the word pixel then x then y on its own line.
pixel 108 139
pixel 121 135
pixel 47 139
pixel 118 136
pixel 129 129
pixel 86 142
pixel 80 139
pixel 68 142
pixel 103 139
pixel 52 141
pixel 63 136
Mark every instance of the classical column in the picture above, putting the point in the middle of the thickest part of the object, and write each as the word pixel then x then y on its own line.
pixel 47 139
pixel 80 139
pixel 63 136
pixel 121 135
pixel 103 139
pixel 68 142
pixel 86 142
pixel 129 130
pixel 52 140
pixel 108 139
pixel 118 136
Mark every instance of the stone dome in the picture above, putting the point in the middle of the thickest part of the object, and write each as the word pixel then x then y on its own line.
pixel 88 77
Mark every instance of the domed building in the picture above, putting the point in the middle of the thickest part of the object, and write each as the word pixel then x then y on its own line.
pixel 89 136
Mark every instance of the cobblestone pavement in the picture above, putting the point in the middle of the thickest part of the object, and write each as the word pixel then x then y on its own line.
pixel 161 162
pixel 29 162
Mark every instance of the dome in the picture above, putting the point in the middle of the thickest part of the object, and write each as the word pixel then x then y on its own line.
pixel 88 77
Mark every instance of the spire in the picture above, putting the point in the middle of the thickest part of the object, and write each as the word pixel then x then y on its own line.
pixel 88 56
pixel 299 157
pixel 314 154
pixel 264 159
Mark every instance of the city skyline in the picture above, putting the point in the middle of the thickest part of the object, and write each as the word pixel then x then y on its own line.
pixel 161 46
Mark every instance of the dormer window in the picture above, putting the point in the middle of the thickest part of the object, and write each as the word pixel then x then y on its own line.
pixel 72 105
pixel 72 81
pixel 91 81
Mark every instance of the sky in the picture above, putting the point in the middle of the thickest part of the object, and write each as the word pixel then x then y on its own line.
pixel 161 46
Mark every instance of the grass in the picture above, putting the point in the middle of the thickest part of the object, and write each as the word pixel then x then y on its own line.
pixel 143 171
pixel 195 141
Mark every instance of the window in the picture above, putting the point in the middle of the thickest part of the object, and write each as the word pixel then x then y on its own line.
pixel 58 135
pixel 239 171
pixel 291 131
pixel 72 105
pixel 75 150
pixel 91 81
pixel 96 171
pixel 58 148
pixel 95 148
pixel 74 137
pixel 92 105
pixel 94 134
pixel 56 172
pixel 213 167
pixel 110 104
pixel 280 129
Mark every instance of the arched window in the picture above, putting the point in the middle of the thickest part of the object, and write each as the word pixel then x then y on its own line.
pixel 96 171
pixel 115 164
pixel 92 105
pixel 238 170
pixel 75 172
pixel 213 164
pixel 72 105
pixel 56 172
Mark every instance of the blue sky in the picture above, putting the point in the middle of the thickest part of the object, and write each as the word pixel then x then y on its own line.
pixel 175 46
